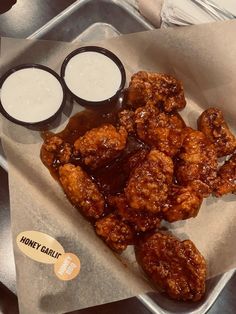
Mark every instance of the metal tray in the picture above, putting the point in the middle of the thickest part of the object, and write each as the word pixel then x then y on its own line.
pixel 94 20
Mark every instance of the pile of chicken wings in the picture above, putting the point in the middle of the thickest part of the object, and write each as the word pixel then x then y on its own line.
pixel 168 179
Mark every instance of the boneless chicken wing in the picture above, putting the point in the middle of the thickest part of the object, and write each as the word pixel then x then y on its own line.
pixel 81 191
pixel 212 123
pixel 100 145
pixel 184 201
pixel 227 177
pixel 116 233
pixel 159 130
pixel 175 267
pixel 197 160
pixel 155 89
pixel 140 221
pixel 148 185
pixel 126 120
pixel 55 151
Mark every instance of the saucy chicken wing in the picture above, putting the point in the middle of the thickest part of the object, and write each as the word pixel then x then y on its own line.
pixel 212 123
pixel 148 186
pixel 81 191
pixel 175 267
pixel 197 160
pixel 126 120
pixel 100 145
pixel 139 221
pixel 227 177
pixel 184 201
pixel 55 151
pixel 159 130
pixel 149 88
pixel 116 233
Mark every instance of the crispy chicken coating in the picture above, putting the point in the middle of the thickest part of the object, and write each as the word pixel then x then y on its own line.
pixel 116 233
pixel 212 123
pixel 184 201
pixel 100 145
pixel 81 191
pixel 227 177
pixel 139 221
pixel 148 186
pixel 159 130
pixel 197 160
pixel 55 151
pixel 176 267
pixel 149 88
pixel 126 119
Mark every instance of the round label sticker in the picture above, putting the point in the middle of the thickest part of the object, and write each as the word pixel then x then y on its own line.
pixel 39 246
pixel 67 266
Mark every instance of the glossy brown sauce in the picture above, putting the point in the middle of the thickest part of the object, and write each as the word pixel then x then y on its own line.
pixel 112 178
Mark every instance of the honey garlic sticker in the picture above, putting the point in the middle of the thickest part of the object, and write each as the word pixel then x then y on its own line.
pixel 43 248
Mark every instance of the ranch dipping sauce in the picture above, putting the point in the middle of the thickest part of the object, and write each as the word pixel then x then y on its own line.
pixel 31 95
pixel 93 74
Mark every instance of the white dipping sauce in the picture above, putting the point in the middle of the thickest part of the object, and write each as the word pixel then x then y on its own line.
pixel 92 76
pixel 31 95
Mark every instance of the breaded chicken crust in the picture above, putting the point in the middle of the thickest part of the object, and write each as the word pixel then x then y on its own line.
pixel 81 191
pixel 212 123
pixel 159 130
pixel 55 151
pixel 148 186
pixel 150 88
pixel 100 145
pixel 175 267
pixel 184 202
pixel 115 232
pixel 197 160
pixel 139 221
pixel 227 177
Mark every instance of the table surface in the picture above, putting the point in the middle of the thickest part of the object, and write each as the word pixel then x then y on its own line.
pixel 25 17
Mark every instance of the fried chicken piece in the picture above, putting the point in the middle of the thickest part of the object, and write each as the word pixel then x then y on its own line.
pixel 227 177
pixel 159 130
pixel 100 145
pixel 184 201
pixel 139 221
pixel 116 233
pixel 212 123
pixel 126 120
pixel 55 151
pixel 81 191
pixel 148 186
pixel 149 88
pixel 197 160
pixel 175 267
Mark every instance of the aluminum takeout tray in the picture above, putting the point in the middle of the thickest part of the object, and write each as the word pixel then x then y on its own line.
pixel 94 20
